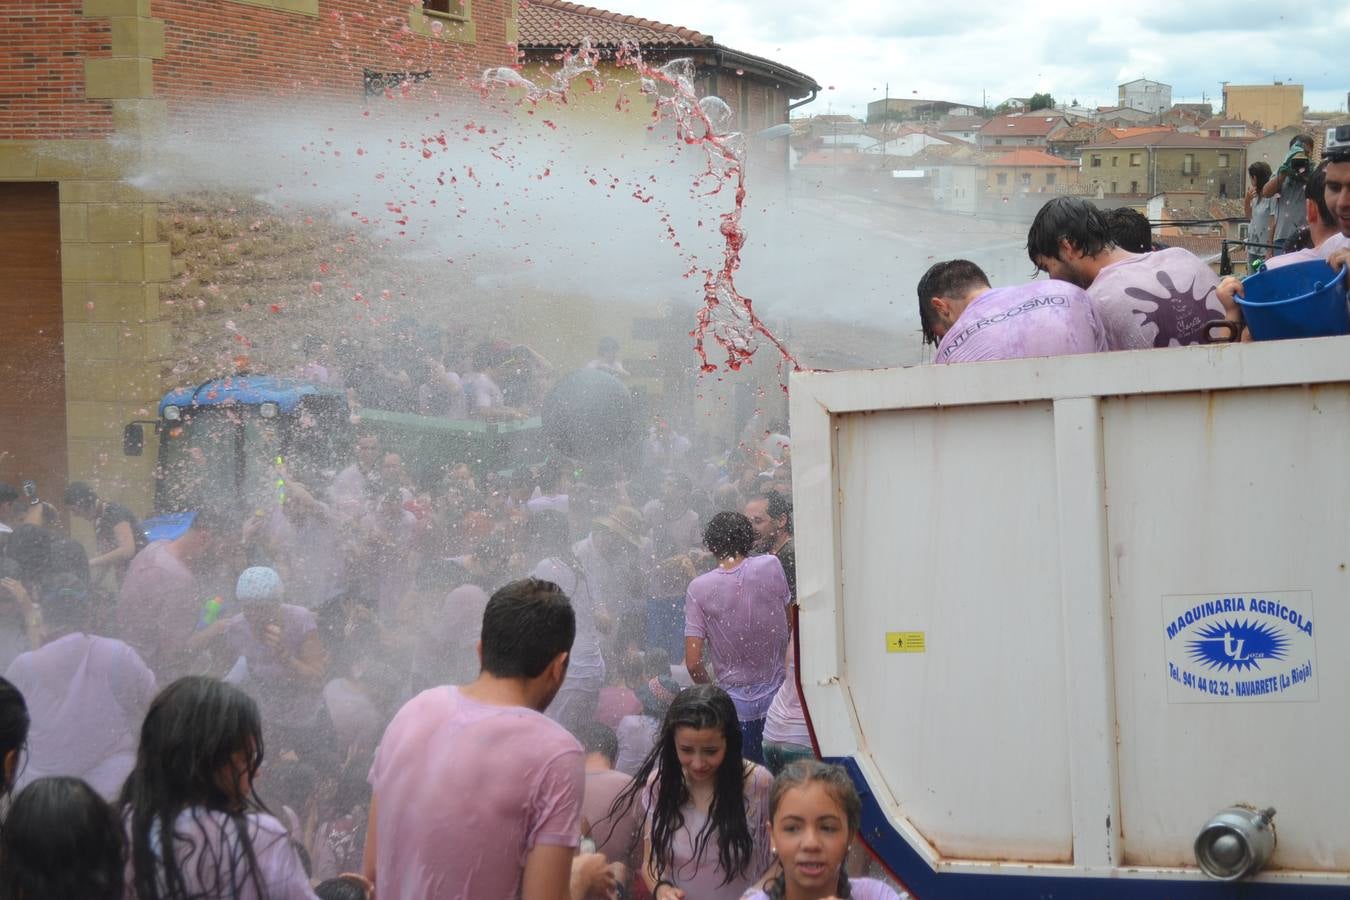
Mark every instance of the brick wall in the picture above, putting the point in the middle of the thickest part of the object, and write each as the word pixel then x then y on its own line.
pixel 231 50
pixel 43 47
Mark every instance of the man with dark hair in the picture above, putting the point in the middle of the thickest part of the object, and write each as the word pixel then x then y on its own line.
pixel 1290 185
pixel 1336 200
pixel 1130 229
pixel 1159 299
pixel 770 514
pixel 737 612
pixel 970 321
pixel 477 794
pixel 117 534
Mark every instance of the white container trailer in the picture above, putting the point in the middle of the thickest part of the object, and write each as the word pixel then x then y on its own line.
pixel 1056 614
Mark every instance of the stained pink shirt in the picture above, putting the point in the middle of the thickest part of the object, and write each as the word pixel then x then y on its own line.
pixel 464 790
pixel 740 612
pixel 158 607
pixel 1158 299
pixel 1040 318
pixel 86 697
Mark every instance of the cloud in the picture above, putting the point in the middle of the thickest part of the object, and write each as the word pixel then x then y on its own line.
pixel 1016 49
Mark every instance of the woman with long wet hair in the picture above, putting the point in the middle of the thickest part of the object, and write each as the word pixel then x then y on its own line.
pixel 705 835
pixel 197 830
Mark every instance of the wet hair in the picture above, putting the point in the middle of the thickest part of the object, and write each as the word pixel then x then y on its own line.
pixel 192 733
pixel 1260 172
pixel 699 707
pixel 61 840
pixel 1072 219
pixel 597 737
pixel 78 493
pixel 14 724
pixel 777 506
pixel 1306 140
pixel 1317 193
pixel 839 786
pixel 1130 229
pixel 729 534
pixel 526 625
pixel 341 888
pixel 68 557
pixel 950 278
pixel 31 547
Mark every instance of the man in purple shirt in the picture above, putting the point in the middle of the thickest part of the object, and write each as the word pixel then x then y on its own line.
pixel 738 611
pixel 971 321
pixel 1161 299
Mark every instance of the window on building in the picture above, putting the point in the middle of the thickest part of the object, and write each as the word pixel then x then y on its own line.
pixel 1030 141
pixel 1113 188
pixel 1134 187
pixel 1026 179
pixel 1096 161
pixel 1136 159
pixel 1115 161
pixel 1002 177
pixel 1188 165
pixel 1049 177
pixel 998 140
pixel 1223 160
pixel 451 9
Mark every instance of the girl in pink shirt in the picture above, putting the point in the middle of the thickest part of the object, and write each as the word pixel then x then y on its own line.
pixel 705 834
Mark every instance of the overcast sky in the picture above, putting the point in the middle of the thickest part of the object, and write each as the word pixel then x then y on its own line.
pixel 1075 51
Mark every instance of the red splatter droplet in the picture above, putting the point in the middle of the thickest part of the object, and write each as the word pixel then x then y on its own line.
pixel 316 287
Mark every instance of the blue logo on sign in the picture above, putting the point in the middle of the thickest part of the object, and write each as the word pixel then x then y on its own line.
pixel 1237 645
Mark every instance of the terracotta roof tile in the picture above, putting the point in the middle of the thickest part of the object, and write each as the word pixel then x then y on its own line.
pixel 557 23
pixel 1027 156
pixel 1032 124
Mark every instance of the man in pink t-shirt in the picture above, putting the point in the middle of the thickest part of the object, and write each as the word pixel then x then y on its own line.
pixel 160 602
pixel 1161 299
pixel 970 321
pixel 477 794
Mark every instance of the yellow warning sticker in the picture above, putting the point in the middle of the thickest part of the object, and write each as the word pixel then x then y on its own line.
pixel 904 642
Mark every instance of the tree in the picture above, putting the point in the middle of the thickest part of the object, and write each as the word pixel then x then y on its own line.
pixel 1041 101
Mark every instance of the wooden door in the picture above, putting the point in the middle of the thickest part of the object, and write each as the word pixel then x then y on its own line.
pixel 32 355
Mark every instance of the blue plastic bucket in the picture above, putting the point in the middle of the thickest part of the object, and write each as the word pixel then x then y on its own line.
pixel 1298 301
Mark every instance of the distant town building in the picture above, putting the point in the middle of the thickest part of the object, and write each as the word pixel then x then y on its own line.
pixel 1123 115
pixel 1159 161
pixel 1031 171
pixel 1272 106
pixel 963 128
pixel 1029 130
pixel 1152 97
pixel 913 108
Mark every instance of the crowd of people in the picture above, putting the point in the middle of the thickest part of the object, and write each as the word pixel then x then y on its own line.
pixel 569 680
pixel 1112 288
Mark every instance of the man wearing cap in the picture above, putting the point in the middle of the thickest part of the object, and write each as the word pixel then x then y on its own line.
pixel 273 649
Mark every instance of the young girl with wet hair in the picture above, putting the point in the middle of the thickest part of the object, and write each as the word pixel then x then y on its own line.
pixel 13 734
pixel 814 815
pixel 705 835
pixel 197 829
pixel 61 840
